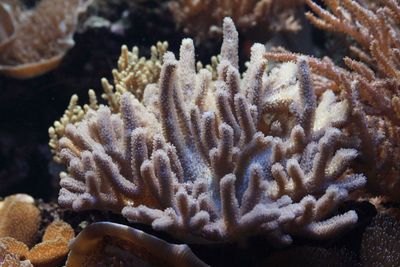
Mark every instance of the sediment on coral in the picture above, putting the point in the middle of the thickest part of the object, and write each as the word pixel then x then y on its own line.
pixel 217 160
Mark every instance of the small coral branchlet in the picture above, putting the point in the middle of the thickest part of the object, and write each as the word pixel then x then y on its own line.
pixel 217 160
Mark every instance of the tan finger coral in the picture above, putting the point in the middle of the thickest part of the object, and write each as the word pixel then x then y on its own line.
pixel 15 247
pixel 197 159
pixel 41 36
pixel 7 26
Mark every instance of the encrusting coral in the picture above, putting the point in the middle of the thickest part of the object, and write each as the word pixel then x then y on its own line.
pixel 371 87
pixel 196 158
pixel 33 42
pixel 19 224
pixel 202 18
pixel 112 244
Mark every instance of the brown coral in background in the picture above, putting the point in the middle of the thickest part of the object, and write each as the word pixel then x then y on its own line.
pixel 112 244
pixel 203 18
pixel 41 36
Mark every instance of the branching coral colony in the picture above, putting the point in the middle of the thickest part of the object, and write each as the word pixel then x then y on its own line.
pixel 372 86
pixel 217 160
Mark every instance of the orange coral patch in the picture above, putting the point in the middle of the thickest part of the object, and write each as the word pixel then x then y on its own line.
pixel 54 246
pixel 48 253
pixel 19 218
pixel 15 247
pixel 59 229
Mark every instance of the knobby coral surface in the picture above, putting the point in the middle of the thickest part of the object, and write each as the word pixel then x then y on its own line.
pixel 34 41
pixel 217 160
pixel 371 86
pixel 203 18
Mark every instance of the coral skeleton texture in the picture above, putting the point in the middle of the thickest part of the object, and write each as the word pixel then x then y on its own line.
pixel 217 160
